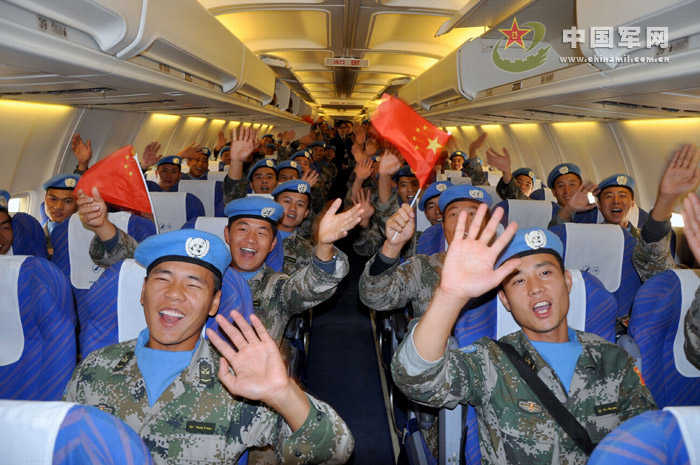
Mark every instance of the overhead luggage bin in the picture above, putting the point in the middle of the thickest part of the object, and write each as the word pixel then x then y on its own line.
pixel 409 94
pixel 614 37
pixel 296 104
pixel 521 46
pixel 282 95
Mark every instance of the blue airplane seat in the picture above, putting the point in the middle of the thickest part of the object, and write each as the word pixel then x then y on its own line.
pixel 114 313
pixel 38 330
pixel 210 193
pixel 274 260
pixel 173 209
pixel 64 433
pixel 64 251
pixel 604 250
pixel 652 438
pixel 431 241
pixel 597 310
pixel 656 325
pixel 527 213
pixel 29 236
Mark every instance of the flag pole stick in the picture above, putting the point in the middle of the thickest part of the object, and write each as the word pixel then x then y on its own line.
pixel 413 202
pixel 148 193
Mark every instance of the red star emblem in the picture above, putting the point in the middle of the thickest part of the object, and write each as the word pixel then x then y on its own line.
pixel 514 34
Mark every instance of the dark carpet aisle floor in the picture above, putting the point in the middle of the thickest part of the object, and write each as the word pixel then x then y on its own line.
pixel 343 369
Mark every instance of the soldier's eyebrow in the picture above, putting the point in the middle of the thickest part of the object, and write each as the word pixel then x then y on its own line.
pixel 5 222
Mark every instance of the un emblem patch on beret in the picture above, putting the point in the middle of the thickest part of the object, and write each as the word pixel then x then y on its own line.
pixel 441 187
pixel 267 212
pixel 301 188
pixel 476 193
pixel 70 182
pixel 535 239
pixel 563 170
pixel 196 247
pixel 531 174
pixel 3 202
pixel 293 164
pixel 176 161
pixel 269 163
pixel 622 180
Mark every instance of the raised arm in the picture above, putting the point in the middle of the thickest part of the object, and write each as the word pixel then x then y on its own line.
pixel 467 273
pixel 82 151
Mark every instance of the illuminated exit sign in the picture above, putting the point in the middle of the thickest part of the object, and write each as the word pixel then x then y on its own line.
pixel 347 62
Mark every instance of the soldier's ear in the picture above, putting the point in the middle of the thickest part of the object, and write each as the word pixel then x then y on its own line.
pixel 215 304
pixel 504 299
pixel 226 238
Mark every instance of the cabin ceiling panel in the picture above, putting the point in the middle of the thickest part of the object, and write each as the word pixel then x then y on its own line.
pixel 312 77
pixel 399 64
pixel 267 30
pixel 301 61
pixel 374 78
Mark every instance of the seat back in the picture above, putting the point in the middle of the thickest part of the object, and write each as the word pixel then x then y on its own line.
pixel 114 312
pixel 604 250
pixel 38 350
pixel 527 213
pixel 29 236
pixel 71 244
pixel 210 193
pixel 591 308
pixel 656 325
pixel 170 210
pixel 64 433
pixel 431 241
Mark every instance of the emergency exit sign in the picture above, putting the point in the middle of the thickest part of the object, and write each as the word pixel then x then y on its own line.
pixel 347 62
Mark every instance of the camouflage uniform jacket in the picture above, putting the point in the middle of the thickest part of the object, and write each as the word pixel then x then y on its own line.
pixel 692 331
pixel 278 296
pixel 510 190
pixel 126 245
pixel 651 258
pixel 298 253
pixel 473 169
pixel 414 280
pixel 196 420
pixel 514 427
pixel 233 190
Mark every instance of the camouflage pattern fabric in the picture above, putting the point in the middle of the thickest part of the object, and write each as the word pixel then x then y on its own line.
pixel 473 169
pixel 298 253
pixel 278 296
pixel 233 190
pixel 196 420
pixel 510 190
pixel 126 245
pixel 652 258
pixel 414 280
pixel 692 331
pixel 368 240
pixel 328 173
pixel 306 228
pixel 514 427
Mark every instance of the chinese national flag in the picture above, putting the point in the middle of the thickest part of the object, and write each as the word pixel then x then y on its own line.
pixel 120 181
pixel 419 141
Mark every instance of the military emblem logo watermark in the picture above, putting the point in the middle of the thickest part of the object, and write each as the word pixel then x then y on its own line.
pixel 535 239
pixel 196 247
pixel 533 56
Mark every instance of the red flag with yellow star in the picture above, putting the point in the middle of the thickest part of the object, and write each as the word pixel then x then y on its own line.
pixel 419 141
pixel 120 181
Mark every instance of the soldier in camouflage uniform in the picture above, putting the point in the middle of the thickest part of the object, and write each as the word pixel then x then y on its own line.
pixel 512 185
pixel 472 168
pixel 276 296
pixel 164 384
pixel 385 284
pixel 294 196
pixel 595 380
pixel 691 219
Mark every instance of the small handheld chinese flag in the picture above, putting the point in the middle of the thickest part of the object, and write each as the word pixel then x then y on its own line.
pixel 120 181
pixel 419 141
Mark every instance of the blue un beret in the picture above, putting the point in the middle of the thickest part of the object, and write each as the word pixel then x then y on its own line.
pixel 405 172
pixel 318 143
pixel 255 207
pixel 264 163
pixel 271 136
pixel 301 153
pixel 270 146
pixel 561 169
pixel 464 192
pixel 206 151
pixel 185 245
pixel 528 241
pixel 330 147
pixel 172 160
pixel 289 164
pixel 293 185
pixel 433 190
pixel 4 200
pixel 621 180
pixel 458 153
pixel 61 181
pixel 524 172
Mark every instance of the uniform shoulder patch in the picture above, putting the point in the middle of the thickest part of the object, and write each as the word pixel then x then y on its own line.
pixel 468 349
